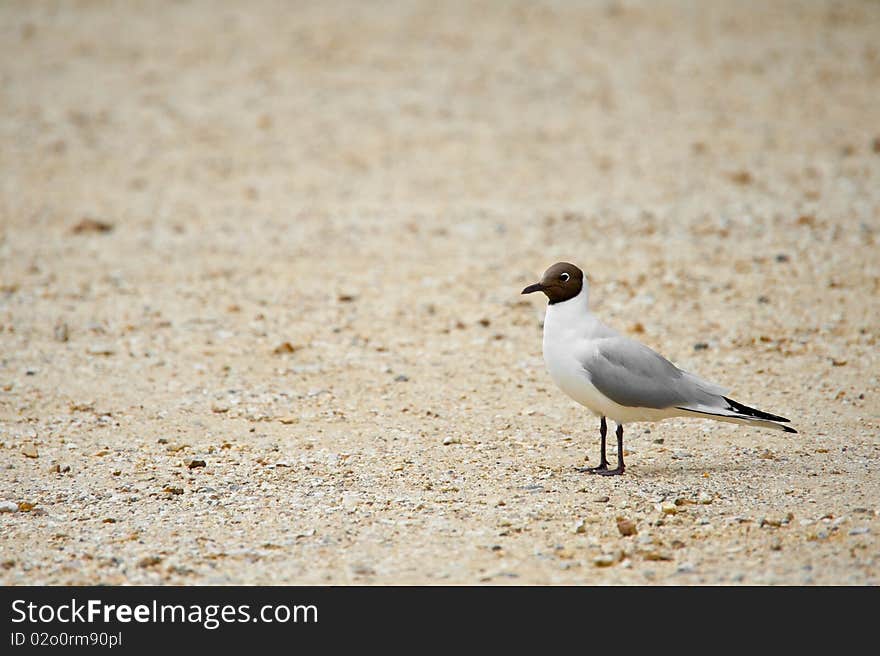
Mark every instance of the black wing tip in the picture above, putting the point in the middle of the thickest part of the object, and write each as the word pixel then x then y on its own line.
pixel 736 406
pixel 788 429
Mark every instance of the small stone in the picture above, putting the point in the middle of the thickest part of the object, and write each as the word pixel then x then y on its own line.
pixel 763 299
pixel 25 506
pixel 771 522
pixel 194 464
pixel 100 349
pixel 88 224
pixel 580 526
pixel 605 560
pixel 602 499
pixel 29 450
pixel 656 556
pixel 701 346
pixel 860 530
pixel 219 407
pixel 8 507
pixel 402 378
pixel 627 527
pixel 346 298
pixel 285 347
pixel 288 419
pixel 61 469
pixel 61 332
pixel 149 561
pixel 172 490
pixel 741 177
pixel 782 257
pixel 449 439
pixel 704 498
pixel 668 508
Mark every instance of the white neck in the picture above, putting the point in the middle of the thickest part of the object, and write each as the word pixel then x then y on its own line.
pixel 572 320
pixel 568 311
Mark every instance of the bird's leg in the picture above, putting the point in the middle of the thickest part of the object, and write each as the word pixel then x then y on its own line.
pixel 603 462
pixel 620 466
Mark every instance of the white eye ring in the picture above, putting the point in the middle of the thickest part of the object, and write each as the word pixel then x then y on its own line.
pixel 564 277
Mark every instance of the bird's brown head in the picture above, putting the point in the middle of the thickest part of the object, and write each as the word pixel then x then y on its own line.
pixel 560 282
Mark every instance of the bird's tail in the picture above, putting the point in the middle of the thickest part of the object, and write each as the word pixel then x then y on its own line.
pixel 738 413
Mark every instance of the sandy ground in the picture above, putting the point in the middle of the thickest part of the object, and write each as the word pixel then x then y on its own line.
pixel 371 185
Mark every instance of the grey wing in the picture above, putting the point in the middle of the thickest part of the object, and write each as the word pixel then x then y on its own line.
pixel 632 375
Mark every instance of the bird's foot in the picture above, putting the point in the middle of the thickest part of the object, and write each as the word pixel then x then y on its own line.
pixel 598 469
pixel 612 472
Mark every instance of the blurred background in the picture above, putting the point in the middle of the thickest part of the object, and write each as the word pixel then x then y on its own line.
pixel 216 215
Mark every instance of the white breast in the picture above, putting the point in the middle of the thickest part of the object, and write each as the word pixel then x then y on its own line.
pixel 568 329
pixel 571 337
pixel 562 351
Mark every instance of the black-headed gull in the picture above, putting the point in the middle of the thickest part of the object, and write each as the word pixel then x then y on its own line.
pixel 619 378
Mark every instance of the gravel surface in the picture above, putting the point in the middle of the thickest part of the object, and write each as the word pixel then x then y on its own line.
pixel 260 269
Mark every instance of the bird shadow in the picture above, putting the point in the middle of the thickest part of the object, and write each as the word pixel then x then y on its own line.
pixel 665 470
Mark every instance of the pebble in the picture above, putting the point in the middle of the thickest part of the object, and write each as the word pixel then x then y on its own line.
pixel 61 332
pixel 669 508
pixel 29 449
pixel 88 224
pixel 402 378
pixel 580 526
pixel 704 498
pixel 449 439
pixel 626 527
pixel 605 560
pixel 100 349
pixel 860 530
pixel 8 507
pixel 602 499
pixel 193 464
